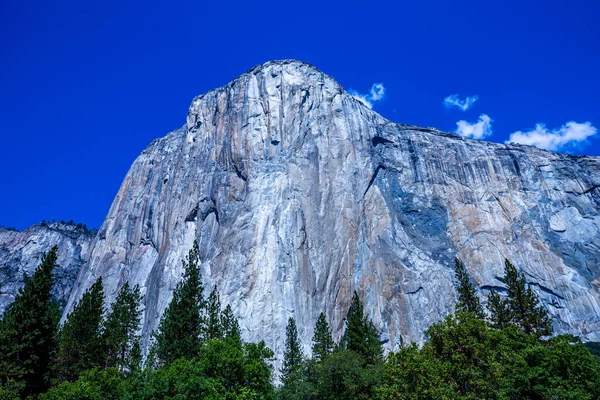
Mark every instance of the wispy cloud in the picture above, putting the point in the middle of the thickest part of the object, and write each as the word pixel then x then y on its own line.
pixel 476 130
pixel 463 105
pixel 570 135
pixel 376 93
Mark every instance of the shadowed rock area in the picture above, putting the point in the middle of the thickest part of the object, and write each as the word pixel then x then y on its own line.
pixel 298 195
pixel 22 251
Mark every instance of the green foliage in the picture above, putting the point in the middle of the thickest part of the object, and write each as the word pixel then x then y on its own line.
pixel 94 384
pixel 225 369
pixel 360 335
pixel 412 373
pixel 323 343
pixel 292 356
pixel 345 375
pixel 214 328
pixel 351 370
pixel 258 370
pixel 229 323
pixel 11 390
pixel 466 359
pixel 183 325
pixel 461 342
pixel 122 323
pixel 467 294
pixel 240 367
pixel 500 316
pixel 28 332
pixel 183 379
pixel 594 348
pixel 560 368
pixel 80 342
pixel 202 355
pixel 521 307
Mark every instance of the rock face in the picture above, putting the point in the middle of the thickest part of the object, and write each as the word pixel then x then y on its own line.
pixel 298 195
pixel 22 251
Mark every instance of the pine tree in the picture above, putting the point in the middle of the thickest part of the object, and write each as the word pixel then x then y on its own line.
pixel 229 323
pixel 28 331
pixel 214 328
pixel 322 341
pixel 525 310
pixel 468 301
pixel 80 339
pixel 292 356
pixel 499 312
pixel 183 325
pixel 360 335
pixel 121 326
pixel 134 361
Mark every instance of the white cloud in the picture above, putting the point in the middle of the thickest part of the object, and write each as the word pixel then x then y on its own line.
pixel 362 98
pixel 477 130
pixel 463 105
pixel 570 134
pixel 376 93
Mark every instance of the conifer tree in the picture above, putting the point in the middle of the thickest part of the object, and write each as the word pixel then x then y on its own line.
pixel 360 335
pixel 292 356
pixel 182 327
pixel 28 331
pixel 121 326
pixel 322 341
pixel 229 323
pixel 525 310
pixel 134 361
pixel 214 328
pixel 499 312
pixel 80 340
pixel 468 300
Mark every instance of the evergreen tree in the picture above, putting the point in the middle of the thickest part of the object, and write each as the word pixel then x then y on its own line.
pixel 525 310
pixel 322 341
pixel 183 325
pixel 360 335
pixel 80 340
pixel 214 328
pixel 134 361
pixel 292 356
pixel 229 324
pixel 28 332
pixel 122 324
pixel 467 294
pixel 499 311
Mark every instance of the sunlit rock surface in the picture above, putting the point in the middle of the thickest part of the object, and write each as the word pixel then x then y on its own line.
pixel 22 251
pixel 298 195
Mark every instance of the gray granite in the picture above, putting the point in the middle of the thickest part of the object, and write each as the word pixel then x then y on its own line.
pixel 22 251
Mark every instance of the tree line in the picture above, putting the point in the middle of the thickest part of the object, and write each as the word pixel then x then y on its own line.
pixel 79 225
pixel 504 352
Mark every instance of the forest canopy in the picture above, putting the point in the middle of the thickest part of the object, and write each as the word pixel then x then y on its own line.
pixel 505 350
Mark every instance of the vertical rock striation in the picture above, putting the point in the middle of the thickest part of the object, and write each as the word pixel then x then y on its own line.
pixel 299 195
pixel 22 251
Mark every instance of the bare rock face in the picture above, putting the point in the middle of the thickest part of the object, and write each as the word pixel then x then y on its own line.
pixel 21 252
pixel 298 195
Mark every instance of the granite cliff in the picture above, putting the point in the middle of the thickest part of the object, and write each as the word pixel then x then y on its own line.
pixel 22 251
pixel 298 195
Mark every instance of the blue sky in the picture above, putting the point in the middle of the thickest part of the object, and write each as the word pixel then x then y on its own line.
pixel 85 86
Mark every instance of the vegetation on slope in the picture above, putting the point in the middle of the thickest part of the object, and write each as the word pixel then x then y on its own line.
pixel 198 353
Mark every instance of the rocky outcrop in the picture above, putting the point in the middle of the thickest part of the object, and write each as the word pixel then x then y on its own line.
pixel 298 195
pixel 22 251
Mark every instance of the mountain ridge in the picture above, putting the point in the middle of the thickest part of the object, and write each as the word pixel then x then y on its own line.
pixel 21 252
